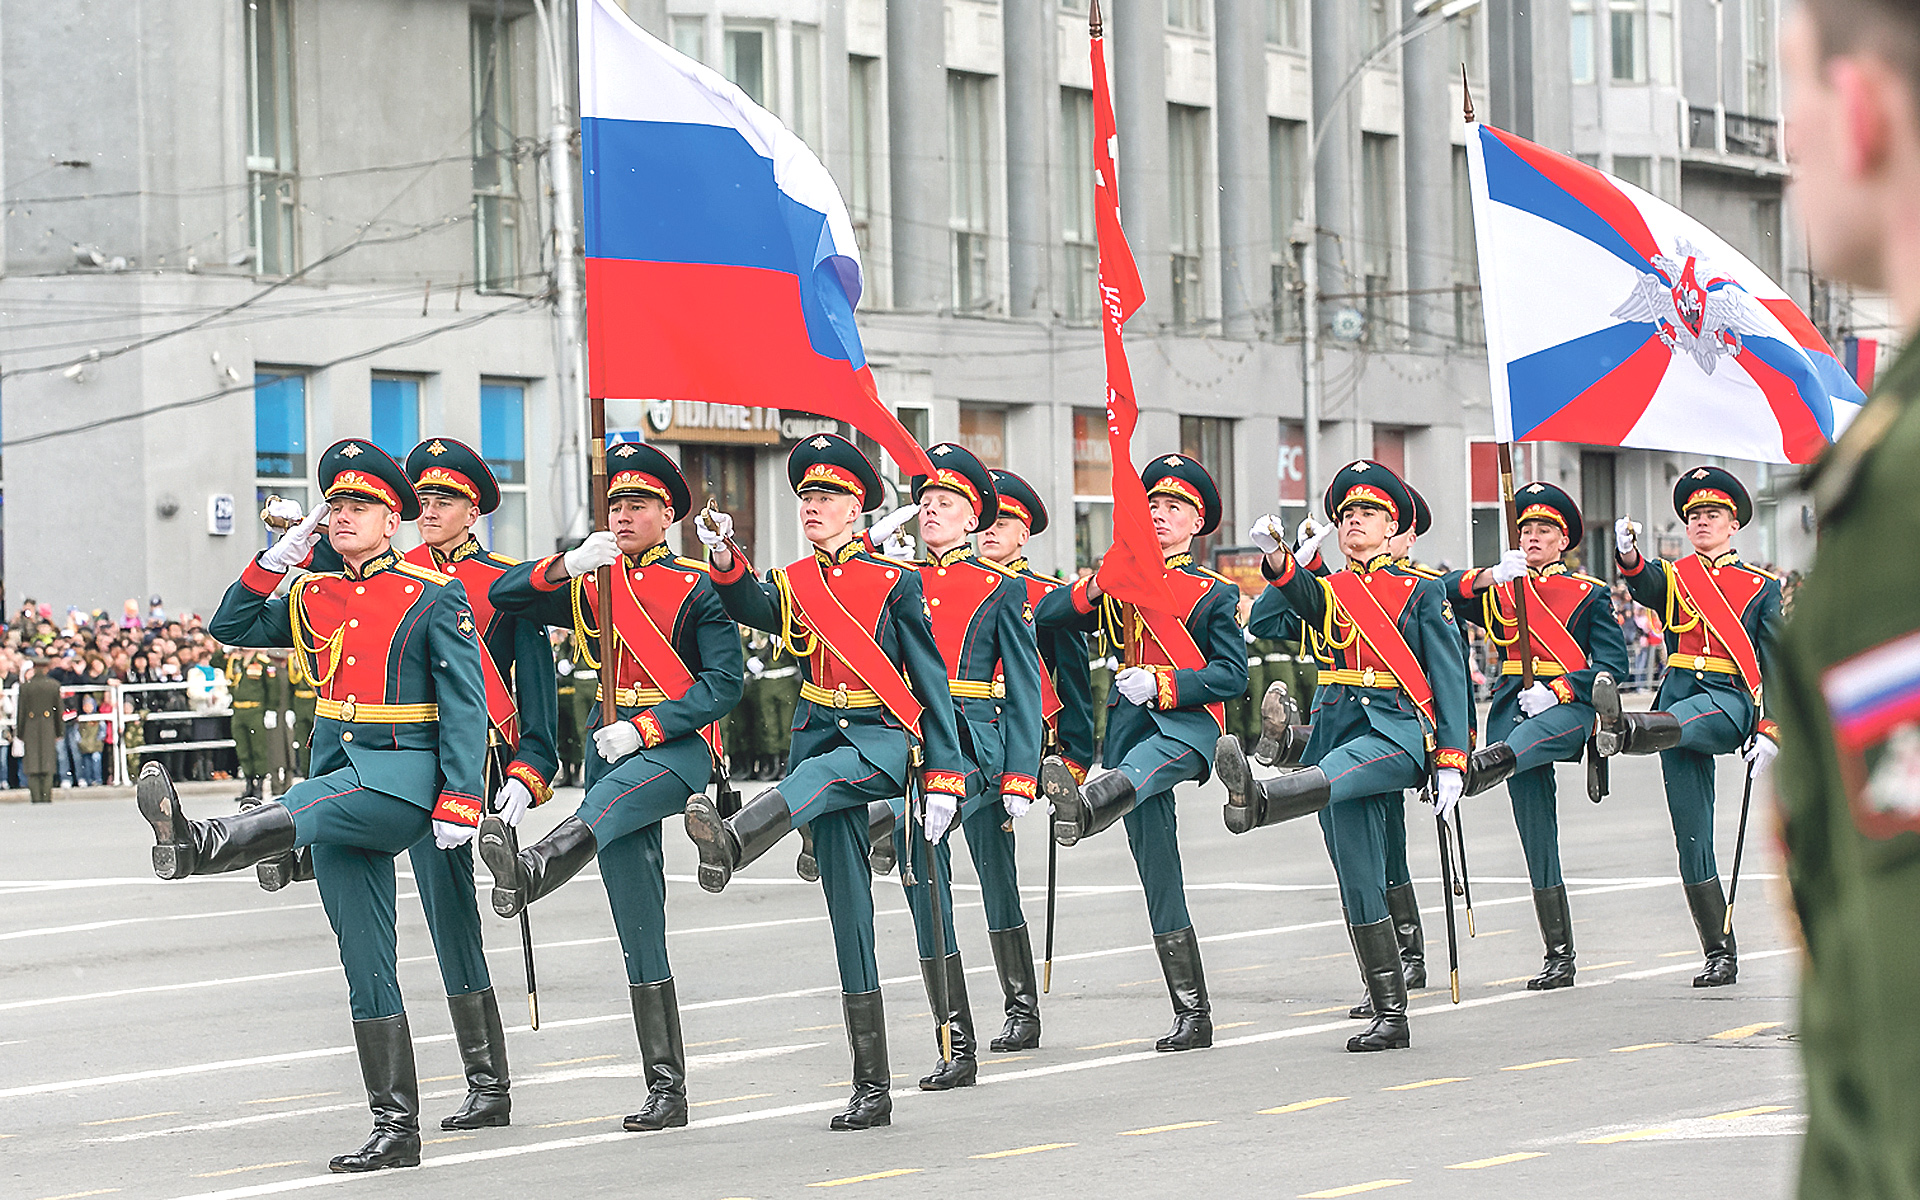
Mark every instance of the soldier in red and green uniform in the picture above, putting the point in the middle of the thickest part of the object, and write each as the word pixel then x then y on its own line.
pixel 398 748
pixel 1164 718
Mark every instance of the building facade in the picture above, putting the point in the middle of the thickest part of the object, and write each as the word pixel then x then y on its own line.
pixel 239 229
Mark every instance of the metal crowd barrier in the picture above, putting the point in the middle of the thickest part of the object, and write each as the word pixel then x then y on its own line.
pixel 118 751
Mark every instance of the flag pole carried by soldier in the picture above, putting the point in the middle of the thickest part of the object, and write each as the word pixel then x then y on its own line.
pixel 1164 719
pixel 856 622
pixel 677 670
pixel 1721 616
pixel 398 750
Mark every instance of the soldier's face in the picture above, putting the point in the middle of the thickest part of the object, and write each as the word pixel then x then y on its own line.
pixel 1543 542
pixel 1710 527
pixel 1003 540
pixel 1400 545
pixel 827 517
pixel 1364 529
pixel 444 520
pixel 1175 522
pixel 1850 137
pixel 357 527
pixel 945 518
pixel 639 522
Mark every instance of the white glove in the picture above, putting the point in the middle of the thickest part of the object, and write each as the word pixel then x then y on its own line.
pixel 1267 533
pixel 883 529
pixel 295 544
pixel 755 667
pixel 941 809
pixel 898 546
pixel 1537 699
pixel 1309 537
pixel 1512 565
pixel 1448 784
pixel 1016 804
pixel 292 718
pixel 715 537
pixel 1137 684
pixel 282 509
pixel 614 742
pixel 599 550
pixel 270 719
pixel 447 835
pixel 1760 753
pixel 512 801
pixel 1625 533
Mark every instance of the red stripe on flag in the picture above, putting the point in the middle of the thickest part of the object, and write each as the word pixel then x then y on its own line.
pixel 1800 434
pixel 729 335
pixel 1788 313
pixel 1589 187
pixel 1606 412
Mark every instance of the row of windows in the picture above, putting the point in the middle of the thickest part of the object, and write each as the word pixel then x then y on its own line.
pixel 280 440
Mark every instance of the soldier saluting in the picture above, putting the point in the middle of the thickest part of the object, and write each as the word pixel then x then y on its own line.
pixel 398 747
pixel 873 684
pixel 1721 617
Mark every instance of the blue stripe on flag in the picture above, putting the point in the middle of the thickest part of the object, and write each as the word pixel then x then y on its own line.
pixel 1543 383
pixel 1798 367
pixel 1513 181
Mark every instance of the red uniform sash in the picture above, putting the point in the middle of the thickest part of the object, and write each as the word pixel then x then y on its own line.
pixel 1383 636
pixel 851 642
pixel 501 712
pixel 1170 633
pixel 1704 596
pixel 1546 628
pixel 636 630
pixel 1050 705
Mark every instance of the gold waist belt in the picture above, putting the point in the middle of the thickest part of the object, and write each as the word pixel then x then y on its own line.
pixel 1369 677
pixel 840 697
pixel 973 689
pixel 632 697
pixel 246 704
pixel 1701 662
pixel 376 714
pixel 1541 667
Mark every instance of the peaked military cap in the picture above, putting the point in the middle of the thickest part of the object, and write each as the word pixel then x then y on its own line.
pixel 1184 478
pixel 1712 485
pixel 1422 512
pixel 450 467
pixel 637 469
pixel 1545 502
pixel 357 467
pixel 1018 499
pixel 1364 481
pixel 959 470
pixel 829 462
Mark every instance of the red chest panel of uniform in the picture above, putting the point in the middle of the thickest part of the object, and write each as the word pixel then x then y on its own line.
pixel 1564 594
pixel 661 590
pixel 1393 592
pixel 862 587
pixel 359 627
pixel 1741 587
pixel 1037 590
pixel 1145 650
pixel 954 595
pixel 475 572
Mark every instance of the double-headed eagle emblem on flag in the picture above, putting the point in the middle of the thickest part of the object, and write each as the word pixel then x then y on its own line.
pixel 1703 320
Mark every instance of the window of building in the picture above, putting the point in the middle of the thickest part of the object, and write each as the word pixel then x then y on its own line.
pixel 969 173
pixel 689 36
pixel 1469 327
pixel 496 191
pixel 279 436
pixel 1188 14
pixel 748 61
pixel 1080 295
pixel 1390 449
pixel 273 194
pixel 1284 25
pixel 863 117
pixel 1188 198
pixel 727 474
pixel 1464 30
pixel 1380 22
pixel 503 444
pixel 1759 58
pixel 804 120
pixel 1660 40
pixel 1286 192
pixel 1074 6
pixel 916 421
pixel 1210 441
pixel 395 423
pixel 1598 508
pixel 1092 487
pixel 1293 473
pixel 1627 35
pixel 1488 512
pixel 1636 169
pixel 1582 46
pixel 983 430
pixel 1380 231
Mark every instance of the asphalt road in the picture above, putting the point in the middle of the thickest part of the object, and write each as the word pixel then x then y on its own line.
pixel 192 1039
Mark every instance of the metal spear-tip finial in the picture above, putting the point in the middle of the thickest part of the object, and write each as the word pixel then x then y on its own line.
pixel 1466 93
pixel 1094 24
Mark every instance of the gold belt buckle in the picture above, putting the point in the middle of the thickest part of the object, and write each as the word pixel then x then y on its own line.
pixel 347 709
pixel 1699 662
pixel 1366 677
pixel 999 689
pixel 840 696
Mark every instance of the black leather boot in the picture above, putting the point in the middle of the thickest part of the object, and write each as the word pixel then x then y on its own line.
pixel 182 847
pixel 1013 960
pixel 883 852
pixel 872 1103
pixel 1621 732
pixel 1187 986
pixel 1283 797
pixel 1709 906
pixel 964 1067
pixel 1379 952
pixel 1488 766
pixel 520 879
pixel 483 1054
pixel 805 865
pixel 295 866
pixel 656 1021
pixel 1404 907
pixel 386 1066
pixel 1282 737
pixel 727 845
pixel 1556 931
pixel 1080 812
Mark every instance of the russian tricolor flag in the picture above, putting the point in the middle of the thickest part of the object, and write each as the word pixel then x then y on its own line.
pixel 1615 319
pixel 721 263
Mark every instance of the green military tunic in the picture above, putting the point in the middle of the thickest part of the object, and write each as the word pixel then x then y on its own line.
pixel 252 679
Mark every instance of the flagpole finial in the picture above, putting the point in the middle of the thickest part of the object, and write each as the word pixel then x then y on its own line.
pixel 1466 92
pixel 1094 25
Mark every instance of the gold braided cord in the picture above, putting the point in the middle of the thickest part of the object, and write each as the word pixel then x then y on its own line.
pixel 585 636
pixel 1495 619
pixel 800 640
pixel 297 619
pixel 1673 598
pixel 1113 623
pixel 1334 618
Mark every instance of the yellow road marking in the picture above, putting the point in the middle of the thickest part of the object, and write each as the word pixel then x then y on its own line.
pixel 816 1028
pixel 1748 1112
pixel 730 1099
pixel 866 1178
pixel 1746 1031
pixel 1354 1189
pixel 1677 954
pixel 458 1137
pixel 1493 933
pixel 1408 1087
pixel 441 1078
pixel 1165 1128
pixel 1641 1046
pixel 284 1099
pixel 124 1120
pixel 1505 982
pixel 1501 1161
pixel 1111 1045
pixel 1321 1012
pixel 1545 1062
pixel 579 1121
pixel 1232 1025
pixel 1619 962
pixel 1007 1058
pixel 1025 1150
pixel 714 1042
pixel 568 1062
pixel 294 1162
pixel 1139 982
pixel 1254 967
pixel 78 1195
pixel 1634 1136
pixel 1301 1105
pixel 1324 957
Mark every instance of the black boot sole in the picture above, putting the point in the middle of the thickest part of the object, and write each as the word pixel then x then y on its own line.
pixel 464 1120
pixel 1712 977
pixel 1240 813
pixel 1069 810
pixel 160 806
pixel 947 1076
pixel 1011 1040
pixel 1607 734
pixel 1550 981
pixel 509 877
pixel 853 1122
pixel 649 1121
pixel 710 838
pixel 362 1162
pixel 1373 1041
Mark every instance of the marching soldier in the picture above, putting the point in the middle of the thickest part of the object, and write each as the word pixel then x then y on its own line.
pixel 857 622
pixel 1389 715
pixel 677 671
pixel 1163 721
pixel 1573 638
pixel 401 738
pixel 252 680
pixel 1721 616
